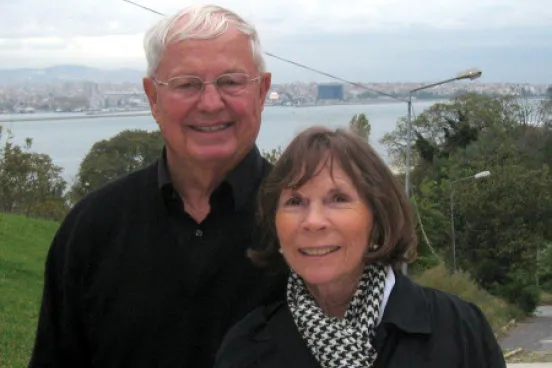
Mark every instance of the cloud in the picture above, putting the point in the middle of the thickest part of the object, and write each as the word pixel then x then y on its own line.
pixel 357 39
pixel 36 18
pixel 94 47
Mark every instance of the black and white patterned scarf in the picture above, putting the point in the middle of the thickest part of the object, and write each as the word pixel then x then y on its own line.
pixel 335 342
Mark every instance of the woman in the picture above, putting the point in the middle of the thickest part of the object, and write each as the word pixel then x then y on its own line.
pixel 339 223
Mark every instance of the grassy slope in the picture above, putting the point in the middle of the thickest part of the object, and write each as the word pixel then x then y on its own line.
pixel 497 311
pixel 23 246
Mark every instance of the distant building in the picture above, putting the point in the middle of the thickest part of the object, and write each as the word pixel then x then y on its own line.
pixel 330 92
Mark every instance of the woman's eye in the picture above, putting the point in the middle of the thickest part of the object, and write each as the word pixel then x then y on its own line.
pixel 340 198
pixel 293 201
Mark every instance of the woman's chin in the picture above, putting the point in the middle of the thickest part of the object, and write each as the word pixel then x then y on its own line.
pixel 319 277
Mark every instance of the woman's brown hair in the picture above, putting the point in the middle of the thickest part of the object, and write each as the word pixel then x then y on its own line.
pixel 393 238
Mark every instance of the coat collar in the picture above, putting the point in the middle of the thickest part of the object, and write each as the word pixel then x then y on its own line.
pixel 407 307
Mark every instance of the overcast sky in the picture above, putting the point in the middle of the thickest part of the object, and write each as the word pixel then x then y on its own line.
pixel 365 40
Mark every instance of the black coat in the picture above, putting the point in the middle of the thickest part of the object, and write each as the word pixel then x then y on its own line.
pixel 421 327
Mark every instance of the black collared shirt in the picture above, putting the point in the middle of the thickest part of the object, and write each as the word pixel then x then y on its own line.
pixel 235 190
pixel 200 242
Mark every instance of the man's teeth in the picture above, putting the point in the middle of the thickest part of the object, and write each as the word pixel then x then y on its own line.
pixel 211 128
pixel 319 251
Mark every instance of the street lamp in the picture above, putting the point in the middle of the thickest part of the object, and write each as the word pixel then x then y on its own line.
pixel 479 175
pixel 470 74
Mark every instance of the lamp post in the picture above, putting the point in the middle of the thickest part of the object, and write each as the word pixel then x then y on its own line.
pixel 470 74
pixel 479 175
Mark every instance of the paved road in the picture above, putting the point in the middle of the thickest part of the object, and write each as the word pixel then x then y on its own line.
pixel 530 365
pixel 534 334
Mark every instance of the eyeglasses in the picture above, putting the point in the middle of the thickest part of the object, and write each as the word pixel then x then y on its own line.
pixel 189 86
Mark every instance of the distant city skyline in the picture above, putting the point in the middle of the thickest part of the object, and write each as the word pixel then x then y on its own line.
pixel 73 73
pixel 385 41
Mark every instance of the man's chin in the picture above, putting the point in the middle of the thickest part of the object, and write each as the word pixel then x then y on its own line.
pixel 214 154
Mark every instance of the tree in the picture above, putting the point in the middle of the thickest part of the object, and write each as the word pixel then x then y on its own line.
pixel 360 125
pixel 502 222
pixel 456 123
pixel 110 159
pixel 273 155
pixel 30 183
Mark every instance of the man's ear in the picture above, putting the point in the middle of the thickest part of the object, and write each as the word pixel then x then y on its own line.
pixel 151 92
pixel 265 84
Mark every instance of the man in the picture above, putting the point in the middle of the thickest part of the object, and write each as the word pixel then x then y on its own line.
pixel 150 270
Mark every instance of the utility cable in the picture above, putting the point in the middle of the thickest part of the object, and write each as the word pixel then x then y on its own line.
pixel 296 63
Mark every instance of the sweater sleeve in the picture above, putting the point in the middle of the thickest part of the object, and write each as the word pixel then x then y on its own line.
pixel 60 338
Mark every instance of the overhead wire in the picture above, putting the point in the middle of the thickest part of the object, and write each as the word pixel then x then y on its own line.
pixel 359 85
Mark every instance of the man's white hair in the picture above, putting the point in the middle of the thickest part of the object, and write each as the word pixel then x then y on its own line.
pixel 202 22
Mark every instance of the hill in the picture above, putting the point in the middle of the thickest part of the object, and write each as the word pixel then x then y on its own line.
pixel 68 73
pixel 24 243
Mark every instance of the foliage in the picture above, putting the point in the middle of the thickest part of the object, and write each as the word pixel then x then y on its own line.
pixel 112 158
pixel 502 222
pixel 360 125
pixel 431 228
pixel 272 155
pixel 446 125
pixel 461 284
pixel 30 183
pixel 544 277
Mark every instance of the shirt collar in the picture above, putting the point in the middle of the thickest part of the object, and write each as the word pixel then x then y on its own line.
pixel 243 179
pixel 389 284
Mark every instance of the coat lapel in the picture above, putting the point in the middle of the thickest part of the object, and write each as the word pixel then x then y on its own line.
pixel 294 351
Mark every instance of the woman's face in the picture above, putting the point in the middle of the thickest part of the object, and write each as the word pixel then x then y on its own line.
pixel 323 229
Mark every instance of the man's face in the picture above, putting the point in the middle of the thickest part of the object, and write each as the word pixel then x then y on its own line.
pixel 210 127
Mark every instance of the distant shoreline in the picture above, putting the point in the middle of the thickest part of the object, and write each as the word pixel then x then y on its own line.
pixel 61 116
pixel 114 114
pixel 28 117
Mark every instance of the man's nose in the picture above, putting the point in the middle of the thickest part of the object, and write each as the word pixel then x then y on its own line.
pixel 210 99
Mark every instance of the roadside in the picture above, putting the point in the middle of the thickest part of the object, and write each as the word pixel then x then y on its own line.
pixel 530 341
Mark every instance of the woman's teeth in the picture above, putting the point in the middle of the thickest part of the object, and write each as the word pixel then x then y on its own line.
pixel 318 251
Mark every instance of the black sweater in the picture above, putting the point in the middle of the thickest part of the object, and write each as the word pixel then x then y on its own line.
pixel 125 287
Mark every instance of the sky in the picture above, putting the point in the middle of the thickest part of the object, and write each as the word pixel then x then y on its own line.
pixel 360 40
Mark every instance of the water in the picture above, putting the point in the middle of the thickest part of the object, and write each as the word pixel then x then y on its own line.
pixel 68 141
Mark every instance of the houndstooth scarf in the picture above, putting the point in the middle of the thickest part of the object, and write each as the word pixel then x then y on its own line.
pixel 335 342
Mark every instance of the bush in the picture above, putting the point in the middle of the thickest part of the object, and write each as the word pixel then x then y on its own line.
pixel 526 297
pixel 424 262
pixel 497 311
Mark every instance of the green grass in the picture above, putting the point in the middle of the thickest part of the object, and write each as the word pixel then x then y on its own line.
pixel 23 246
pixel 498 312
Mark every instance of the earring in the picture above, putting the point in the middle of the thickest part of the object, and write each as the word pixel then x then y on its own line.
pixel 280 250
pixel 374 247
